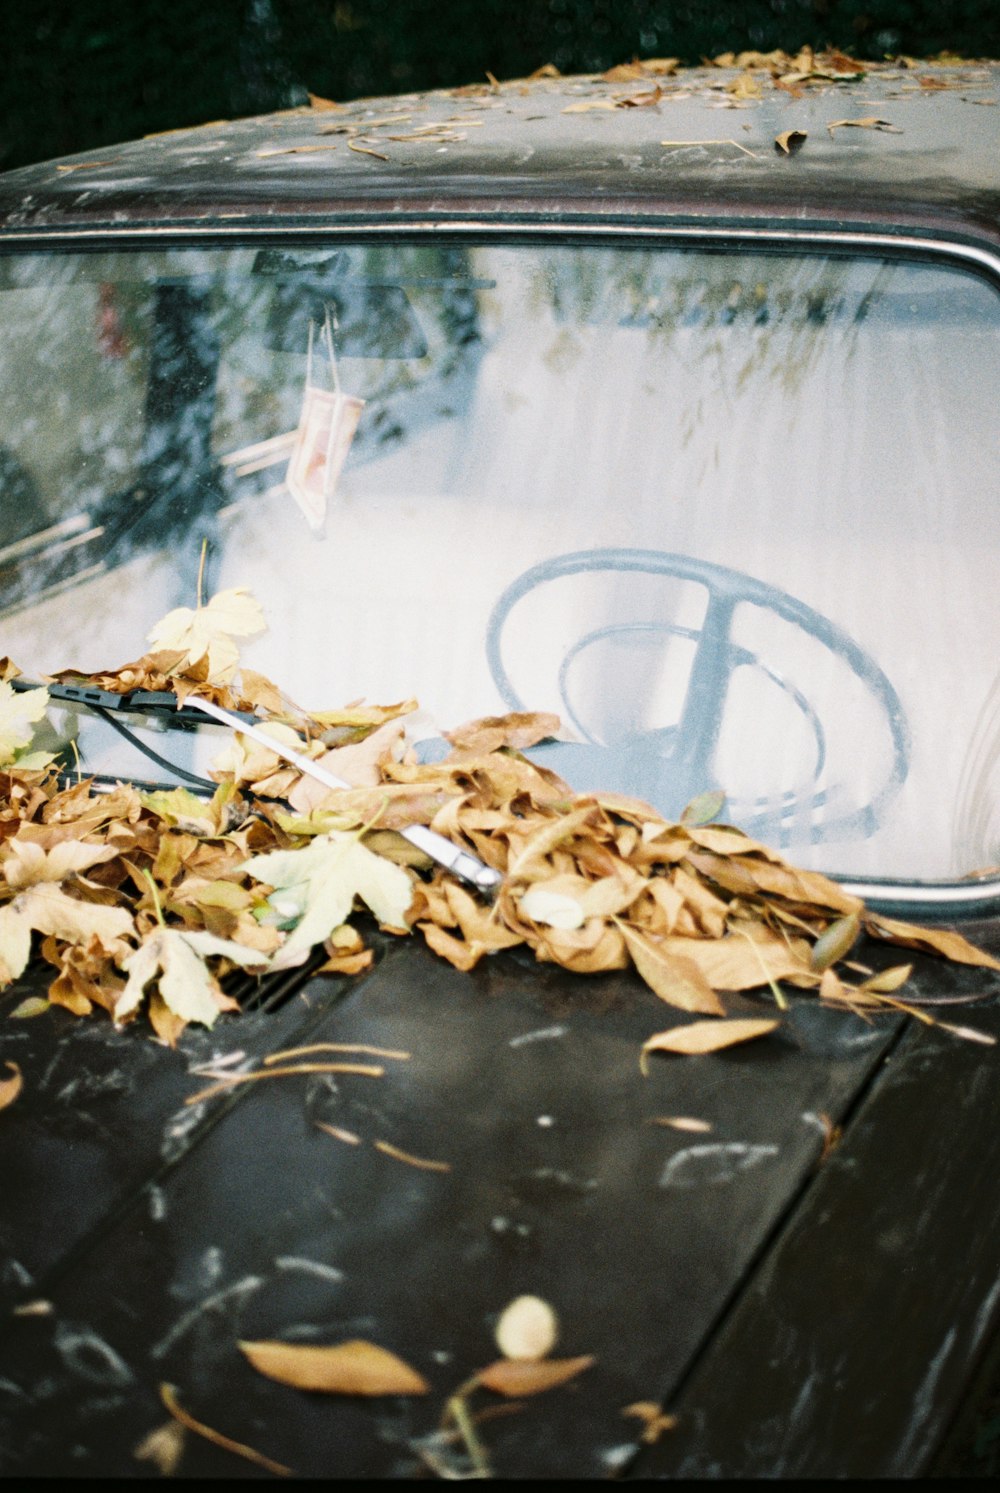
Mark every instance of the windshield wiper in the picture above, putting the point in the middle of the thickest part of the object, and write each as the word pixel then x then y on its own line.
pixel 163 706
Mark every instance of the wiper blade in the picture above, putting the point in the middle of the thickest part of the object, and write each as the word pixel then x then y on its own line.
pixel 163 705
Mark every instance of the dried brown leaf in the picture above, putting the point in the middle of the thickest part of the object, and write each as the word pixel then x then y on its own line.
pixel 462 955
pixel 356 1367
pixel 544 839
pixel 888 980
pixel 709 1036
pixel 671 976
pixel 789 142
pixel 937 940
pixel 741 962
pixel 519 729
pixel 518 1378
pixel 870 122
pixel 10 1087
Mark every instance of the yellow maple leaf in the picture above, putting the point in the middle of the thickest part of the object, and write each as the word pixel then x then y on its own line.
pixel 175 959
pixel 208 632
pixel 19 711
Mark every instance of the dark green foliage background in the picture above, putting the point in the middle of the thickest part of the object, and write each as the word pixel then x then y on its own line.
pixel 80 74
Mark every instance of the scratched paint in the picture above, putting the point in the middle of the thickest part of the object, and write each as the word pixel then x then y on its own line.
pixel 232 1297
pixel 713 1165
pixel 87 1355
pixel 541 1034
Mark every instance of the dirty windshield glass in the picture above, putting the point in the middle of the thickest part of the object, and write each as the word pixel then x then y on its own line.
pixel 729 515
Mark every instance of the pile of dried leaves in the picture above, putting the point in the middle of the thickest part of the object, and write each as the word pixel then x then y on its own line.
pixel 147 899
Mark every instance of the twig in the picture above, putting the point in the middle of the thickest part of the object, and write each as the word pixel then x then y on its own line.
pixel 428 1166
pixel 230 1080
pixel 169 1397
pixel 297 1052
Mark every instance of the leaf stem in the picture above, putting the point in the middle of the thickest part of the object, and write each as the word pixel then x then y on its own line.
pixel 458 1410
pixel 776 991
pixel 156 897
pixel 168 1395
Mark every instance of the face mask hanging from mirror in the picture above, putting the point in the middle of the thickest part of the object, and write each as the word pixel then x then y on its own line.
pixel 327 423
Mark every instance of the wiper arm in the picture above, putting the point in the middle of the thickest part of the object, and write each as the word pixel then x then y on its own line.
pixel 461 863
pixel 163 706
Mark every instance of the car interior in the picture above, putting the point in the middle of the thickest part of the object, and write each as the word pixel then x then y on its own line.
pixel 721 511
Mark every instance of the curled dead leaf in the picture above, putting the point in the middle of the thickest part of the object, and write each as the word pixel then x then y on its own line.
pixel 938 940
pixel 790 141
pixel 355 1367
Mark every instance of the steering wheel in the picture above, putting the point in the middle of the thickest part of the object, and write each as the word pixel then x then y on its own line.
pixel 672 765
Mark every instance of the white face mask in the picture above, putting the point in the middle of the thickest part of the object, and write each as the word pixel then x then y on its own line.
pixel 326 427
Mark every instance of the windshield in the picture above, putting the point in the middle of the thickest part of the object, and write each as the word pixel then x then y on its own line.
pixel 728 514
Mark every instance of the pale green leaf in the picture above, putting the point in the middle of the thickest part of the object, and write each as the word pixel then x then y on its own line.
pixel 19 711
pixel 319 882
pixel 181 807
pixel 704 808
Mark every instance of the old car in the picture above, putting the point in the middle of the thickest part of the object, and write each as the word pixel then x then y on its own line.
pixel 660 407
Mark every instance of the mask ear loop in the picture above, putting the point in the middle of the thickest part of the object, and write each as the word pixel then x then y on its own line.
pixel 332 436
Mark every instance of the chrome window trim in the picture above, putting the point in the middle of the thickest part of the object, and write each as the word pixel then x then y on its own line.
pixel 932 898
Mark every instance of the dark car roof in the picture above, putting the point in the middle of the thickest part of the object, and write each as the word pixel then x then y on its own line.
pixel 683 145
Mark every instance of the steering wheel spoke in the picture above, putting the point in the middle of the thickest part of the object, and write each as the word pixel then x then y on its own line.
pixel 671 765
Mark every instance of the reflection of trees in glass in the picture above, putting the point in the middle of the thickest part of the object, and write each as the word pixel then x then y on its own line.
pixel 718 325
